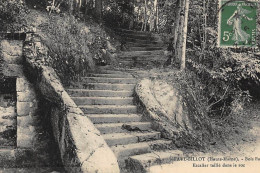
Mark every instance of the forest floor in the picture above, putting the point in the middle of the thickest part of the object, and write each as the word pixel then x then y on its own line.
pixel 242 142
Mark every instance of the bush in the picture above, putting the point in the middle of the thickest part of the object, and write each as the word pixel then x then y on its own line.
pixel 12 15
pixel 222 73
pixel 74 48
pixel 37 3
pixel 68 42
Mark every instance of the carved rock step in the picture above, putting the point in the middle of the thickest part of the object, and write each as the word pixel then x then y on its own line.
pixel 124 151
pixel 98 93
pixel 142 64
pixel 110 75
pixel 136 38
pixel 137 35
pixel 103 100
pixel 107 70
pixel 132 32
pixel 114 118
pixel 150 45
pixel 136 48
pixel 108 80
pixel 141 163
pixel 142 41
pixel 140 53
pixel 123 127
pixel 144 58
pixel 128 138
pixel 109 109
pixel 108 86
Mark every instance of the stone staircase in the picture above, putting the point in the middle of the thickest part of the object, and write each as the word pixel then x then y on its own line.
pixel 106 97
pixel 141 49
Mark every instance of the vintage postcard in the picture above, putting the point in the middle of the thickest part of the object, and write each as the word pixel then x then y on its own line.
pixel 129 86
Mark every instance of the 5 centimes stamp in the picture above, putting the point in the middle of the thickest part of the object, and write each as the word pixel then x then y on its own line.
pixel 237 23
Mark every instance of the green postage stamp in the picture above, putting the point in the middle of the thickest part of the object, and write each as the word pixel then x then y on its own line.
pixel 237 23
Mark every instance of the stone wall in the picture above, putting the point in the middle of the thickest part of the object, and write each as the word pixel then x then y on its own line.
pixel 26 107
pixel 82 148
pixel 26 102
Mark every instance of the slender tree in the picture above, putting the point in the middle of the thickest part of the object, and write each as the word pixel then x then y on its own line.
pixel 145 15
pixel 184 41
pixel 98 10
pixel 180 31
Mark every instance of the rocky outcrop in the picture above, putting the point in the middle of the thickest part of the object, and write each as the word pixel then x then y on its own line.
pixel 82 148
pixel 163 104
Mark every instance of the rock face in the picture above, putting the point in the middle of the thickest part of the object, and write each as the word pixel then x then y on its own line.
pixel 163 104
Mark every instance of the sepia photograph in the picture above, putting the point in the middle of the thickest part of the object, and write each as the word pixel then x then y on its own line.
pixel 129 86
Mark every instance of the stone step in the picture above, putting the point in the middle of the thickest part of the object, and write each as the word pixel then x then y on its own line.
pixel 128 138
pixel 114 118
pixel 98 93
pixel 132 32
pixel 140 53
pixel 110 75
pixel 109 109
pixel 108 86
pixel 123 127
pixel 130 40
pixel 136 38
pixel 149 45
pixel 136 48
pixel 138 35
pixel 142 64
pixel 103 100
pixel 33 169
pixel 108 80
pixel 141 163
pixel 143 57
pixel 124 151
pixel 105 70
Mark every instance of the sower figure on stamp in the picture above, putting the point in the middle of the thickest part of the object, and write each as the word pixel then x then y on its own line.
pixel 236 20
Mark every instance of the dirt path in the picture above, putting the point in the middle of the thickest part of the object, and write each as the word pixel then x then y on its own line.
pixel 245 146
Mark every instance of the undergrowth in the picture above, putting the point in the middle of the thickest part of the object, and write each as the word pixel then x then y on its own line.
pixel 12 15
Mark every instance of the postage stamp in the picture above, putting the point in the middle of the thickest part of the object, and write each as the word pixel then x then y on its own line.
pixel 238 23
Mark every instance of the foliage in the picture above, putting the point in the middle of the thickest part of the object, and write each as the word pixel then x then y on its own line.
pixel 53 6
pixel 117 14
pixel 68 42
pixel 223 72
pixel 131 15
pixel 74 47
pixel 11 15
pixel 36 3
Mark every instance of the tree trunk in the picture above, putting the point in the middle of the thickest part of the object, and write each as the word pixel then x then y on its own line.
pixel 180 32
pixel 145 15
pixel 71 6
pixel 155 5
pixel 176 28
pixel 157 18
pixel 184 41
pixel 98 10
